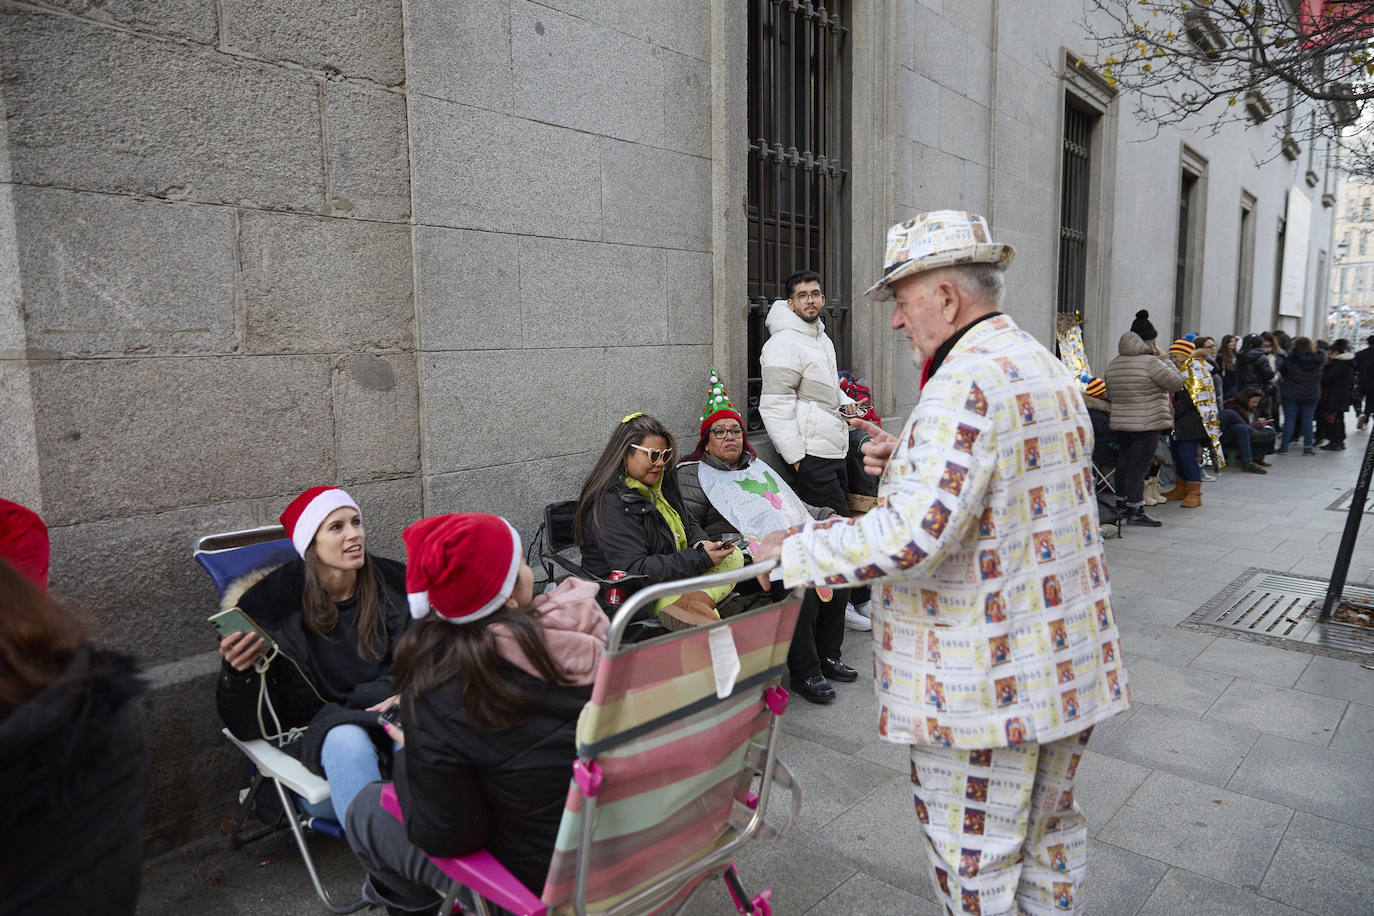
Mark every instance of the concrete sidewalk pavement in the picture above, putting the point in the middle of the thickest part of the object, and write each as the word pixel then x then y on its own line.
pixel 1241 783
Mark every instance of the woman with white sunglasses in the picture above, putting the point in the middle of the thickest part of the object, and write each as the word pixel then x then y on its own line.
pixel 630 518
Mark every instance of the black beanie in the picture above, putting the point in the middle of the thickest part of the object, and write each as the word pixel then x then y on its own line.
pixel 1142 326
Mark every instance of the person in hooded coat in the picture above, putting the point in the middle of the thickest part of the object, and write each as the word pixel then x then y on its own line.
pixel 1300 371
pixel 1338 391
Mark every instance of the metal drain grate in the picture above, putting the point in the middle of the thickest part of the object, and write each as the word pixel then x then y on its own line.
pixel 1280 610
pixel 1343 503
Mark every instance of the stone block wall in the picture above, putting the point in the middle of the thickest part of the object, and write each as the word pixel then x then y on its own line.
pixel 212 308
pixel 562 194
pixel 430 251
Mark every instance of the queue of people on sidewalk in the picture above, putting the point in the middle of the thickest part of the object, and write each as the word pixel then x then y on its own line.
pixel 1186 406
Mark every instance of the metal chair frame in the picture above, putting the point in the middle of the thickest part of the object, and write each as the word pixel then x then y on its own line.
pixel 287 775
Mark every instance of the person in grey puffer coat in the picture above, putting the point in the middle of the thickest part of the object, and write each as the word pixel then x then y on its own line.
pixel 1138 381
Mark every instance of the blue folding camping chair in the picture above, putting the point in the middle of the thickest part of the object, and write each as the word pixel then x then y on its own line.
pixel 228 557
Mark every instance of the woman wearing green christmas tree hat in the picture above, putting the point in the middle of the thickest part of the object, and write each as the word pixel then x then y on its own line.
pixel 727 488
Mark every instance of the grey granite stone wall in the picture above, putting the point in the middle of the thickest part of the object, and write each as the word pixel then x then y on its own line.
pixel 207 307
pixel 562 192
pixel 430 251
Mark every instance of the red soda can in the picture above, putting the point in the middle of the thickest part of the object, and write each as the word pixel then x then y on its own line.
pixel 616 594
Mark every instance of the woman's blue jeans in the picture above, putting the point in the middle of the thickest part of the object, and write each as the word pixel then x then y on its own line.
pixel 1295 412
pixel 1185 460
pixel 350 762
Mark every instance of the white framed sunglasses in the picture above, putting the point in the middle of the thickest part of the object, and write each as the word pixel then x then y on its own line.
pixel 656 455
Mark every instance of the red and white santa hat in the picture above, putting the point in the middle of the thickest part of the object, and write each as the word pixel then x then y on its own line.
pixel 308 511
pixel 464 565
pixel 24 541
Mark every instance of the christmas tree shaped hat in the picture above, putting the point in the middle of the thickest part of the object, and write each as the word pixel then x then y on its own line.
pixel 718 404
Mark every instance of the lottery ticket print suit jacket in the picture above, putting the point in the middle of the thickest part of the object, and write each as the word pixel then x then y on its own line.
pixel 993 625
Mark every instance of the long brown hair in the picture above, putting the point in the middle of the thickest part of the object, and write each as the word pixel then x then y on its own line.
pixel 611 465
pixel 321 614
pixel 1225 359
pixel 1303 345
pixel 38 638
pixel 434 652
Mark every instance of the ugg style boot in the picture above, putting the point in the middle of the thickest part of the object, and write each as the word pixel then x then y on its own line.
pixel 1179 491
pixel 1194 497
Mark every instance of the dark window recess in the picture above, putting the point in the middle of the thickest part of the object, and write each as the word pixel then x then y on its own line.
pixel 798 205
pixel 1075 188
pixel 1185 204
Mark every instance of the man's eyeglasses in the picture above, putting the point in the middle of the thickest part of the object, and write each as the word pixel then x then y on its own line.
pixel 656 455
pixel 729 432
pixel 813 296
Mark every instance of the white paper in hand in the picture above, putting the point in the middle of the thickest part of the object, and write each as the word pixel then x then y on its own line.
pixel 725 660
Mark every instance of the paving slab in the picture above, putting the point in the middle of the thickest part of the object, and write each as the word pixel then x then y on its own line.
pixel 266 876
pixel 1272 665
pixel 1356 732
pixel 831 781
pixel 1166 644
pixel 1224 835
pixel 880 836
pixel 864 893
pixel 799 874
pixel 1279 711
pixel 1178 743
pixel 1182 893
pixel 1312 779
pixel 1334 677
pixel 1189 690
pixel 1102 786
pixel 1323 866
pixel 1118 880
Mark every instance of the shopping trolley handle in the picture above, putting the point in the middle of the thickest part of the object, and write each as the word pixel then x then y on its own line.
pixel 651 593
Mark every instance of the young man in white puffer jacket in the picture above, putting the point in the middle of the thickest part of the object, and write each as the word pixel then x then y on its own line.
pixel 801 402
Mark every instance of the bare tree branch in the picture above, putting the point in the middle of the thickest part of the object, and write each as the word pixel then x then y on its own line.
pixel 1228 60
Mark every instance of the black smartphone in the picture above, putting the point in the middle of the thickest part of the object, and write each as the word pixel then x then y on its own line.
pixel 391 716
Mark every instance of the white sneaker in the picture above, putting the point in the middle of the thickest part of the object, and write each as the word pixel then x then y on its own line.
pixel 853 620
pixel 1208 478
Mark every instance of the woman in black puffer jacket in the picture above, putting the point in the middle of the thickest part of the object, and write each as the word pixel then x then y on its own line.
pixel 335 616
pixel 1301 371
pixel 1338 390
pixel 492 682
pixel 72 760
pixel 630 517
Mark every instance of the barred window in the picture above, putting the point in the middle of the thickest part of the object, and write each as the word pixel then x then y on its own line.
pixel 1073 207
pixel 798 203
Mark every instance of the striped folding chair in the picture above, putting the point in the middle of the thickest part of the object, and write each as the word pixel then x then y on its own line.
pixel 662 796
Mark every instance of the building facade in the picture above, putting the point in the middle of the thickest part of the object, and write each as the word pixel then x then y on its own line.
pixel 1352 286
pixel 432 251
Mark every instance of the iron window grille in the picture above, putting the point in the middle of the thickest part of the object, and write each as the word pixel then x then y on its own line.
pixel 1075 188
pixel 798 204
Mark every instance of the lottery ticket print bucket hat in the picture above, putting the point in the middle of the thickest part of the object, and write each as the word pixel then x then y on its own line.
pixel 940 238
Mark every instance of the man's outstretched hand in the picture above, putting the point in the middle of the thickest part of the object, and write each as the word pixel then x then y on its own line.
pixel 769 547
pixel 879 447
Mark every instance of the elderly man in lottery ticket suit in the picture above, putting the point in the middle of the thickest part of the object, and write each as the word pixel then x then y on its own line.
pixel 995 644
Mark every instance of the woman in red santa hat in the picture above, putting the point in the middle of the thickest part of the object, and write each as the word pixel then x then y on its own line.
pixel 335 616
pixel 492 681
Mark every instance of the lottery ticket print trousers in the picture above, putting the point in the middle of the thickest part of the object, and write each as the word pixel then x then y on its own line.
pixel 1004 834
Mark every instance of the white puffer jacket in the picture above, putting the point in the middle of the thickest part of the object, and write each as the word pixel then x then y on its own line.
pixel 800 403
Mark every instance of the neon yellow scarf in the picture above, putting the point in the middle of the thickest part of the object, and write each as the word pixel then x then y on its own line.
pixel 655 495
